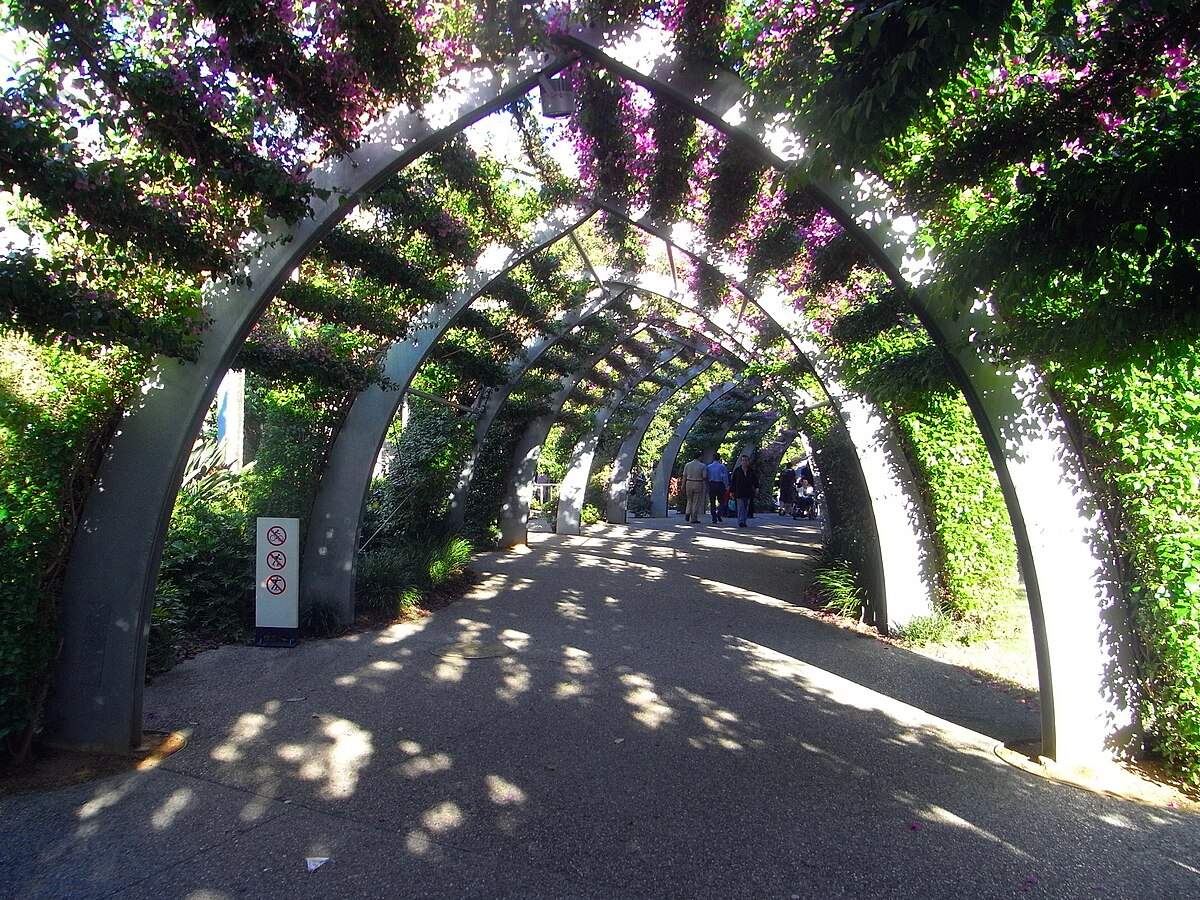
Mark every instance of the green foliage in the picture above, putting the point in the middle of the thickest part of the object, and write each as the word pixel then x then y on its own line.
pixel 410 503
pixel 321 620
pixel 935 628
pixel 167 633
pixel 449 560
pixel 206 577
pixel 838 584
pixel 971 529
pixel 550 510
pixel 893 362
pixel 736 179
pixel 37 300
pixel 490 479
pixel 675 133
pixel 1049 150
pixel 1140 412
pixel 55 416
pixel 392 581
pixel 847 502
pixel 589 515
pixel 294 427
pixel 208 570
pixel 384 576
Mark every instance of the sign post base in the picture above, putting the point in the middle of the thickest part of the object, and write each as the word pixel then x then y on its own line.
pixel 276 637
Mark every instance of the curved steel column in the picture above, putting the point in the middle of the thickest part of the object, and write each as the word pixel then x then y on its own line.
pixel 108 587
pixel 573 487
pixel 514 513
pixel 661 479
pixel 1080 617
pixel 618 493
pixel 331 547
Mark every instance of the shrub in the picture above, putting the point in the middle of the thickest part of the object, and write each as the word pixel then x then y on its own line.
pixel 394 580
pixel 208 564
pixel 321 620
pixel 936 628
pixel 449 560
pixel 384 574
pixel 166 634
pixel 837 583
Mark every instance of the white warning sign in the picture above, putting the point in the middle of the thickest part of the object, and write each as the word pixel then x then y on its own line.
pixel 277 598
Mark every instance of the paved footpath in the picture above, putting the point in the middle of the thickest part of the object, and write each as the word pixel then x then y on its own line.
pixel 663 723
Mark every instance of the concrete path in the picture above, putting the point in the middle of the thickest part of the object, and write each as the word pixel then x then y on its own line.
pixel 664 724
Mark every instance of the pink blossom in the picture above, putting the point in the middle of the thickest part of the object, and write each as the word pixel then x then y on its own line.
pixel 1075 148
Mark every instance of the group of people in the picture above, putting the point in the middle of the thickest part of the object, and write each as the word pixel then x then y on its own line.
pixel 718 483
pixel 796 492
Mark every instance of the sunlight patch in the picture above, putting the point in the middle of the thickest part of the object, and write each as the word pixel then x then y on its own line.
pixel 710 543
pixel 517 681
pixel 164 817
pixel 649 708
pixel 248 727
pixel 937 814
pixel 341 761
pixel 732 590
pixel 503 792
pixel 569 609
pixel 417 842
pixel 821 683
pixel 426 765
pixel 443 817
pixel 517 640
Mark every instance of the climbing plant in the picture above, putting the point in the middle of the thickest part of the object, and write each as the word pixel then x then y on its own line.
pixel 1046 147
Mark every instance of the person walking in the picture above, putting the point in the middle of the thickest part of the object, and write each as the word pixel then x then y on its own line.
pixel 787 489
pixel 695 477
pixel 743 482
pixel 718 486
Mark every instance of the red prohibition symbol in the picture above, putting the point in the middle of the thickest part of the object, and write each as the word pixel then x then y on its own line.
pixel 276 560
pixel 275 584
pixel 276 535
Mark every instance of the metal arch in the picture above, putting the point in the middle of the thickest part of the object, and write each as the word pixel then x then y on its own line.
pixel 108 587
pixel 617 512
pixel 1064 547
pixel 499 395
pixel 727 425
pixel 579 464
pixel 518 367
pixel 331 547
pixel 903 554
pixel 1081 625
pixel 97 695
pixel 514 512
pixel 661 477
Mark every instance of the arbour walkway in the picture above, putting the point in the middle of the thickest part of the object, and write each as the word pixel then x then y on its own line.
pixel 665 724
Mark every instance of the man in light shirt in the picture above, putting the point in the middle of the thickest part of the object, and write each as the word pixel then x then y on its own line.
pixel 695 478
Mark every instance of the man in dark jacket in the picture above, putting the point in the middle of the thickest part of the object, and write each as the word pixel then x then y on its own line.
pixel 743 484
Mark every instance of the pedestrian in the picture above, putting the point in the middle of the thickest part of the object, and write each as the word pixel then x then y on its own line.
pixel 695 478
pixel 787 488
pixel 743 482
pixel 718 487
